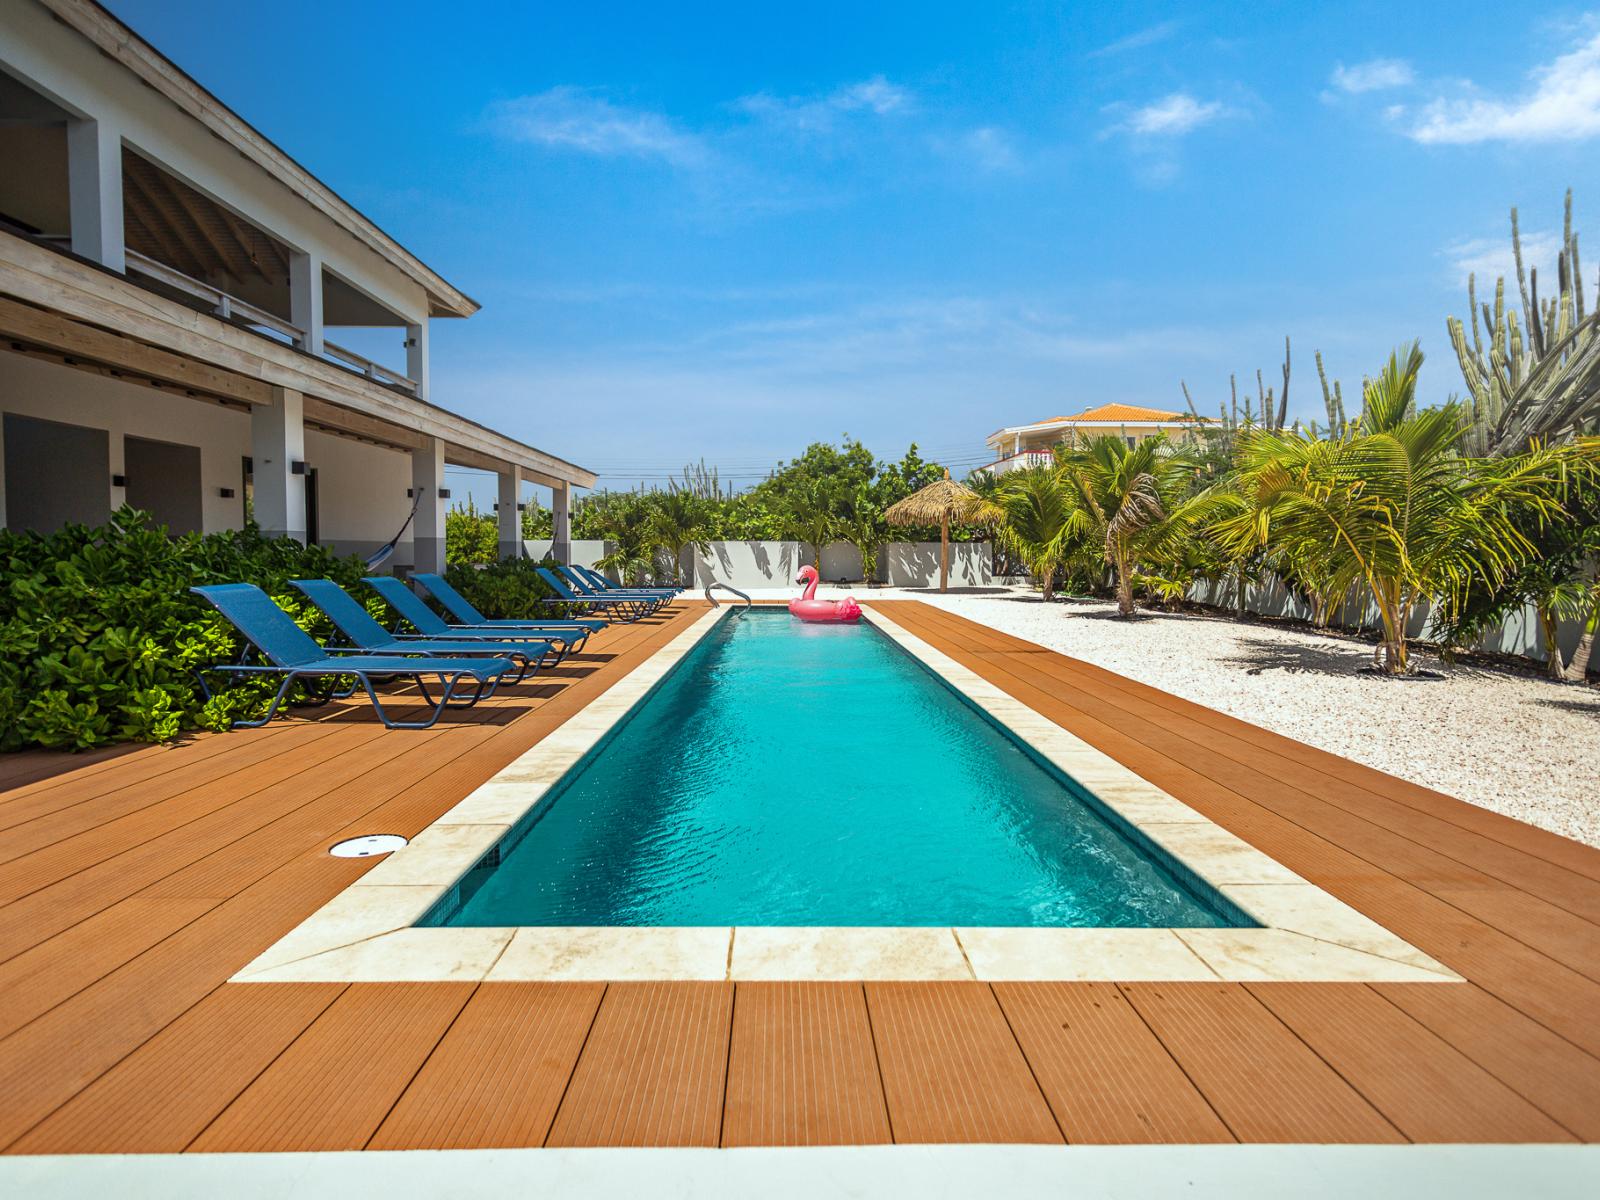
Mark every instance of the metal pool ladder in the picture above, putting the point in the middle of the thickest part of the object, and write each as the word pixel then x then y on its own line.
pixel 730 588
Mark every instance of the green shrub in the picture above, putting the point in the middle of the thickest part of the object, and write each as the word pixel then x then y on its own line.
pixel 504 590
pixel 100 637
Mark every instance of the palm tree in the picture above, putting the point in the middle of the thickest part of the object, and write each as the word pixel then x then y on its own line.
pixel 1135 503
pixel 1033 526
pixel 863 527
pixel 811 515
pixel 681 518
pixel 1391 505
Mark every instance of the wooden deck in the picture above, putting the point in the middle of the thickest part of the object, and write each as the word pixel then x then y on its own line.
pixel 134 883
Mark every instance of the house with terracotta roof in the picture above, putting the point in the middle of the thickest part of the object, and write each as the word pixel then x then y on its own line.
pixel 1017 447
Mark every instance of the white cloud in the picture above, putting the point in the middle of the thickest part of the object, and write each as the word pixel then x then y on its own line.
pixel 989 148
pixel 569 118
pixel 1139 39
pixel 818 113
pixel 1171 116
pixel 1563 105
pixel 1490 258
pixel 1374 75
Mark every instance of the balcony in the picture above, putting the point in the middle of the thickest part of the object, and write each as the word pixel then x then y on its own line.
pixel 1023 461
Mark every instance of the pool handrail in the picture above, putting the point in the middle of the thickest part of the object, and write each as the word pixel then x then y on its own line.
pixel 728 587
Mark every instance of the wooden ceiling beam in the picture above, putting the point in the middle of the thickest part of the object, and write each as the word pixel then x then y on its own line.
pixel 180 247
pixel 74 339
pixel 171 198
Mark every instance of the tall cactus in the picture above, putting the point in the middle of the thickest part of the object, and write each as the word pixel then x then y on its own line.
pixel 1540 384
pixel 1333 401
pixel 1273 407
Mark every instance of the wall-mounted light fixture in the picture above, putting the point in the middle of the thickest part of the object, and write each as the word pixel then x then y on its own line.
pixel 119 481
pixel 522 508
pixel 444 493
pixel 297 467
pixel 225 493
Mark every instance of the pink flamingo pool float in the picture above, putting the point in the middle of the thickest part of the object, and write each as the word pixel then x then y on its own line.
pixel 828 612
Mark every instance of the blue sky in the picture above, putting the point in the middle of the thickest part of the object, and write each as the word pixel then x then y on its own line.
pixel 729 230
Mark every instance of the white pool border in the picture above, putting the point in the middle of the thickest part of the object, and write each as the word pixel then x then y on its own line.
pixel 367 933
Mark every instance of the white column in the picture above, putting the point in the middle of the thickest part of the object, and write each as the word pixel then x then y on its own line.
pixel 94 189
pixel 417 357
pixel 117 459
pixel 305 300
pixel 509 519
pixel 427 472
pixel 277 443
pixel 561 522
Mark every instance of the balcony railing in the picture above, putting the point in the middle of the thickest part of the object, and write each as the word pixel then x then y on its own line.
pixel 1021 462
pixel 232 308
pixel 367 367
pixel 218 301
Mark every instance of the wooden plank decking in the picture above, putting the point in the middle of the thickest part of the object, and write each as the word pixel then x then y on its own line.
pixel 134 882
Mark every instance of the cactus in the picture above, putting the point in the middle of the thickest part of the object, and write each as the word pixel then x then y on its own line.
pixel 1271 415
pixel 1333 401
pixel 1537 378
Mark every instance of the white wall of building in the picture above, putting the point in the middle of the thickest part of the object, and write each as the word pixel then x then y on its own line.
pixel 361 495
pixel 51 392
pixel 58 62
pixel 361 487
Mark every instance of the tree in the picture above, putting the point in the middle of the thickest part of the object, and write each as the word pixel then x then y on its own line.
pixel 1033 527
pixel 470 536
pixel 863 526
pixel 1391 503
pixel 1556 579
pixel 1134 503
pixel 812 513
pixel 681 517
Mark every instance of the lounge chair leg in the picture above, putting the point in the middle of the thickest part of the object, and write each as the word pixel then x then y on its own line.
pixel 390 723
pixel 272 709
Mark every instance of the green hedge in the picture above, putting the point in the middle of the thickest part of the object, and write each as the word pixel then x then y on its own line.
pixel 504 590
pixel 100 637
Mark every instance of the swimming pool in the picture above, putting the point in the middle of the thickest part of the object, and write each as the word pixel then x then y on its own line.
pixel 802 775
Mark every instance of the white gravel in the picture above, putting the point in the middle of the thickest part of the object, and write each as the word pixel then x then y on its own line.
pixel 1514 743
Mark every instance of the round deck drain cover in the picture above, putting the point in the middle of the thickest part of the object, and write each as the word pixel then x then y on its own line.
pixel 366 847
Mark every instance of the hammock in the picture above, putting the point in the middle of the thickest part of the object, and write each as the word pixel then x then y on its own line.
pixel 381 555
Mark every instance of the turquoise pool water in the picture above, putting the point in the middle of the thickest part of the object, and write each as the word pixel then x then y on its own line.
pixel 791 774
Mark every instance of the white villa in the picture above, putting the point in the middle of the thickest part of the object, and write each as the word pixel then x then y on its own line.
pixel 1017 447
pixel 173 288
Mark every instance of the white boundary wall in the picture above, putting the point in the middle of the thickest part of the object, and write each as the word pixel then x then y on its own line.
pixel 775 564
pixel 1518 635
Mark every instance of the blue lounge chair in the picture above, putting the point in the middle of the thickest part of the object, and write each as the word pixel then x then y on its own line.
pixel 601 584
pixel 291 652
pixel 413 611
pixel 366 634
pixel 585 586
pixel 470 619
pixel 626 608
pixel 569 635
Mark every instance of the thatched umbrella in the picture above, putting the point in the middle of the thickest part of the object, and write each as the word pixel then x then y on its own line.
pixel 940 502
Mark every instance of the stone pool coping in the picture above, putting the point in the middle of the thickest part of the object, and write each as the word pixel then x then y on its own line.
pixel 367 932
